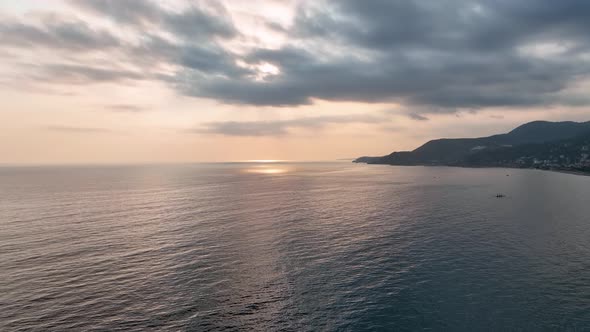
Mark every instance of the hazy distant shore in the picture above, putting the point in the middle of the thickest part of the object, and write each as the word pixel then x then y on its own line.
pixel 571 172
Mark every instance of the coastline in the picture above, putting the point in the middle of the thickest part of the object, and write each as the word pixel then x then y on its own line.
pixel 564 171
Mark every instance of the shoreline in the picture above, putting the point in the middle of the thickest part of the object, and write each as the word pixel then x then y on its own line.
pixel 563 171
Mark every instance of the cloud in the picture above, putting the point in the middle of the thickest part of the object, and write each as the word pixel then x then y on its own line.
pixel 67 35
pixel 417 117
pixel 442 57
pixel 121 11
pixel 201 20
pixel 80 74
pixel 159 42
pixel 79 130
pixel 252 128
pixel 211 60
pixel 282 127
pixel 127 108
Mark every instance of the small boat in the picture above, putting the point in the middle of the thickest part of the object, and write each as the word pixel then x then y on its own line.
pixel 500 196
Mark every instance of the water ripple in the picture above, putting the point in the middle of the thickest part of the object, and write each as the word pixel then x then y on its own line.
pixel 314 247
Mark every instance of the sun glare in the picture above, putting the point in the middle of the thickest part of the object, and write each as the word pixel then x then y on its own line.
pixel 264 161
pixel 266 170
pixel 266 166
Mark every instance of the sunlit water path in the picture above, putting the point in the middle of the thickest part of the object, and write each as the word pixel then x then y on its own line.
pixel 293 247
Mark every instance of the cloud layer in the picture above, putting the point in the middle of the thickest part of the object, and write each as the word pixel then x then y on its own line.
pixel 282 127
pixel 432 56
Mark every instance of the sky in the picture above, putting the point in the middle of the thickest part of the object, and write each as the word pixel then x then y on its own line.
pixel 134 81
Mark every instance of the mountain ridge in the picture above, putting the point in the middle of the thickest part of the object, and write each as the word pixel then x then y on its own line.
pixel 536 137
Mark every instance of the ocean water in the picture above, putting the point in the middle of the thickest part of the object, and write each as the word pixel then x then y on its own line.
pixel 293 247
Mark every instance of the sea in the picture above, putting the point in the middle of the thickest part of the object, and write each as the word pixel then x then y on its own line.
pixel 293 247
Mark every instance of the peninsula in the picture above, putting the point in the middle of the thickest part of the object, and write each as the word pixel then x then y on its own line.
pixel 563 146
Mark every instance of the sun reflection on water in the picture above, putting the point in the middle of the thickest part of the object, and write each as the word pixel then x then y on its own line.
pixel 267 169
pixel 264 161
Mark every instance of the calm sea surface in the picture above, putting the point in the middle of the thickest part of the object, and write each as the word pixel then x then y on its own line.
pixel 293 247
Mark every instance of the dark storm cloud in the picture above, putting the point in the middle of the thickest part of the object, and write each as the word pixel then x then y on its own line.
pixel 185 39
pixel 202 19
pixel 209 60
pixel 282 127
pixel 443 81
pixel 438 56
pixel 123 11
pixel 450 24
pixel 198 23
pixel 195 60
pixel 444 55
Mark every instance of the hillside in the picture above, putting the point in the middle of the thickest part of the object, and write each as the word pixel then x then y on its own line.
pixel 540 140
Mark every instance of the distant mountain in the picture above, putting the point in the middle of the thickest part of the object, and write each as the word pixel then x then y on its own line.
pixel 545 131
pixel 532 140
